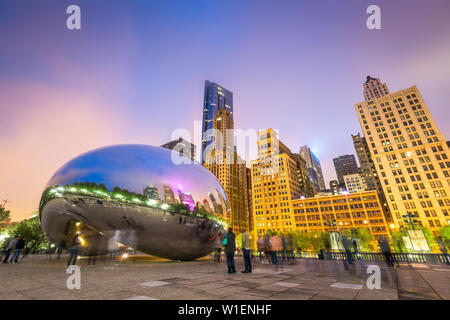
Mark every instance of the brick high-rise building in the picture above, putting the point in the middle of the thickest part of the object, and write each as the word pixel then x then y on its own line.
pixel 275 182
pixel 410 154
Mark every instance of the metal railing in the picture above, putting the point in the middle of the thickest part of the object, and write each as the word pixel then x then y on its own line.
pixel 433 258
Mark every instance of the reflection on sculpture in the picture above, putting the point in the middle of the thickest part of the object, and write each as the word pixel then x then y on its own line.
pixel 135 195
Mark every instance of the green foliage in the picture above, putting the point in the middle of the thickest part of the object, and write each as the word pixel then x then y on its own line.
pixel 444 232
pixel 397 241
pixel 312 241
pixel 30 229
pixel 4 215
pixel 364 236
pixel 431 239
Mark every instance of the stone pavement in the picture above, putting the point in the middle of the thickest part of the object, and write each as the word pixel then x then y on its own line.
pixel 152 278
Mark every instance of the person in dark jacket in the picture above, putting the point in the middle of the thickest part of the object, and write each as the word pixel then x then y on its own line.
pixel 74 250
pixel 230 248
pixel 10 247
pixel 19 247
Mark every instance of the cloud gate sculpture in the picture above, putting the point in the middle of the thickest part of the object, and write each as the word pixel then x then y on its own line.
pixel 137 196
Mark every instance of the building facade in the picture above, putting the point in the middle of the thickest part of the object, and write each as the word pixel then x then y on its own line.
pixel 354 183
pixel 339 212
pixel 275 182
pixel 344 165
pixel 314 167
pixel 229 169
pixel 366 166
pixel 410 155
pixel 215 97
pixel 336 187
pixel 373 88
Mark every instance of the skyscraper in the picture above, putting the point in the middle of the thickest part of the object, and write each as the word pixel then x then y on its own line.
pixel 373 88
pixel 343 165
pixel 366 166
pixel 410 154
pixel 215 97
pixel 274 184
pixel 354 183
pixel 314 167
pixel 224 162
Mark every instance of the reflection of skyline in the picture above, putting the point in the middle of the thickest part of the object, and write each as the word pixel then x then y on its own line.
pixel 143 170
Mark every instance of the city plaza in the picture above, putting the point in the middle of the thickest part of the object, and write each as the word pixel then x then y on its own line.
pixel 149 278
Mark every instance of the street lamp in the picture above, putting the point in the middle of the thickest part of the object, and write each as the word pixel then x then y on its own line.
pixel 409 219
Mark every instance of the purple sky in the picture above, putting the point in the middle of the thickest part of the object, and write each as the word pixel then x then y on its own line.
pixel 136 70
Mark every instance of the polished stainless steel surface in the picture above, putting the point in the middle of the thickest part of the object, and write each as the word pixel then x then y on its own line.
pixel 135 195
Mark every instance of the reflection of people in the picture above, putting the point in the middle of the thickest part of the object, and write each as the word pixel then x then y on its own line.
pixel 230 248
pixel 246 246
pixel 443 249
pixel 74 250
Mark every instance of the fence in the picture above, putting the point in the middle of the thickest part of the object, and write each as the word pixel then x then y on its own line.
pixel 433 258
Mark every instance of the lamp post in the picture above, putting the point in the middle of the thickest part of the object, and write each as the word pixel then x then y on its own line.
pixel 409 219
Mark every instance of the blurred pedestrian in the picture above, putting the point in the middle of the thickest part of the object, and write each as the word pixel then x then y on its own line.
pixel 92 253
pixel 444 251
pixel 260 247
pixel 276 248
pixel 246 250
pixel 218 248
pixel 283 250
pixel 290 248
pixel 348 254
pixel 10 247
pixel 386 250
pixel 229 242
pixel 20 244
pixel 76 242
pixel 267 248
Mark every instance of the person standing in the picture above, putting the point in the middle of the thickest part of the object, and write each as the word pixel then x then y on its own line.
pixel 11 245
pixel 260 247
pixel 74 250
pixel 276 248
pixel 20 244
pixel 267 248
pixel 246 247
pixel 290 248
pixel 443 249
pixel 386 250
pixel 229 242
pixel 218 248
pixel 347 243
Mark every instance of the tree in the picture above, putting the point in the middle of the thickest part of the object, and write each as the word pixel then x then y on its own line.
pixel 431 239
pixel 30 230
pixel 4 214
pixel 444 232
pixel 397 241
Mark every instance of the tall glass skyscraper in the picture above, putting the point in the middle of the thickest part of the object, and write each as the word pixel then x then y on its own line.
pixel 216 97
